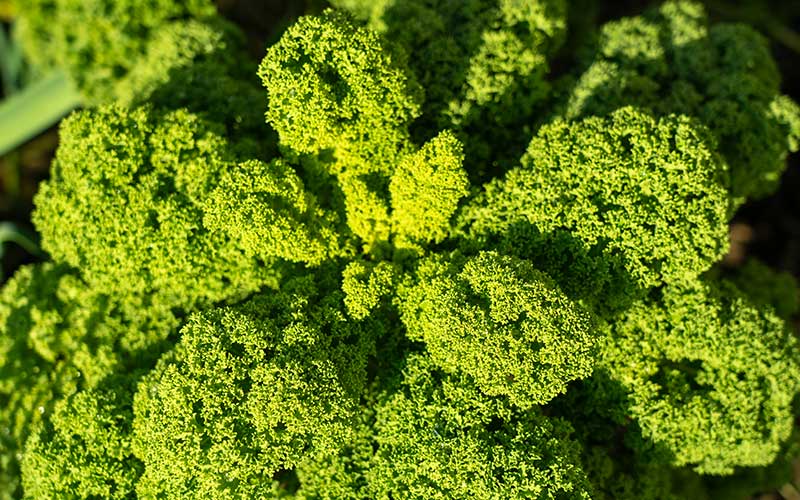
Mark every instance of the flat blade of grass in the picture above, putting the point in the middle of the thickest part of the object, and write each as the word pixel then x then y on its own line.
pixel 11 62
pixel 10 232
pixel 35 109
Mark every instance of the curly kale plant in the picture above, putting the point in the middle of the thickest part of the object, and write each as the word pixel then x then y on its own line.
pixel 503 323
pixel 382 294
pixel 125 205
pixel 483 65
pixel 651 191
pixel 100 42
pixel 671 61
pixel 173 54
pixel 716 382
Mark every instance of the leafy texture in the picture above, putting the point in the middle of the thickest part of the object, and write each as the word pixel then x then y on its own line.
pixel 201 66
pixel 365 286
pixel 84 448
pixel 503 323
pixel 124 205
pixel 425 190
pixel 767 288
pixel 328 75
pixel 439 437
pixel 670 61
pixel 388 298
pixel 250 391
pixel 265 208
pixel 332 77
pixel 58 335
pixel 162 52
pixel 621 478
pixel 711 376
pixel 652 191
pixel 99 41
pixel 483 65
pixel 341 475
